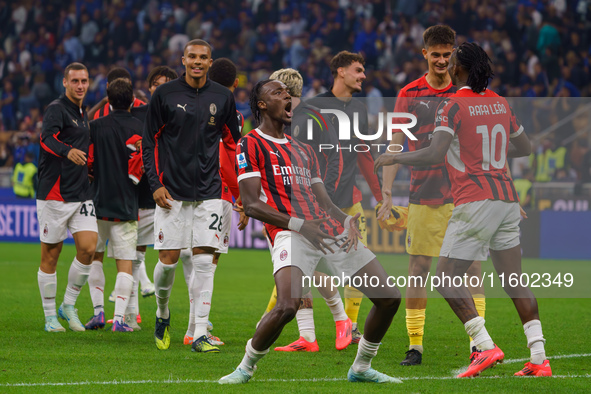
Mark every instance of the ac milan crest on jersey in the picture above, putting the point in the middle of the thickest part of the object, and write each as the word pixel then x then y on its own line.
pixel 226 240
pixel 160 236
pixel 283 255
pixel 45 230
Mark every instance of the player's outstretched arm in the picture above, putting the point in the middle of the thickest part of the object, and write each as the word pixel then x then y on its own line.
pixel 433 154
pixel 388 176
pixel 519 146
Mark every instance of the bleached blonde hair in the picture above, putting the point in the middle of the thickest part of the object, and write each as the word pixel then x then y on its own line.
pixel 291 78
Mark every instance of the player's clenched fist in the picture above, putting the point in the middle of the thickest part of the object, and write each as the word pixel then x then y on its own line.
pixel 161 197
pixel 77 156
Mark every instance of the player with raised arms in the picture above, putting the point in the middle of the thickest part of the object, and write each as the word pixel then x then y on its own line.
pixel 475 131
pixel 280 185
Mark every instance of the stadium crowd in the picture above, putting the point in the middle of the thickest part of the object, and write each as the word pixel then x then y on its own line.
pixel 539 49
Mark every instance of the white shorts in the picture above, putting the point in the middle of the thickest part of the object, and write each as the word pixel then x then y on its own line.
pixel 122 237
pixel 478 226
pixel 145 227
pixel 188 225
pixel 226 219
pixel 57 217
pixel 292 249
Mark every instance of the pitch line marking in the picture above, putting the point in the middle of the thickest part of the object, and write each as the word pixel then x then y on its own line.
pixel 520 360
pixel 192 381
pixel 180 381
pixel 184 381
pixel 457 371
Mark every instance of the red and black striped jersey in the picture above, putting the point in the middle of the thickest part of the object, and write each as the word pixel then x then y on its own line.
pixel 429 185
pixel 482 124
pixel 288 169
pixel 106 109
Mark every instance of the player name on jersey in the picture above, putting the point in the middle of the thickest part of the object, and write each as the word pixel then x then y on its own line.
pixel 487 109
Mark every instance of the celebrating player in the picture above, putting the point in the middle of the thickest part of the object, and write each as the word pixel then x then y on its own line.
pixel 430 202
pixel 474 127
pixel 280 185
pixel 348 72
pixel 330 164
pixel 63 198
pixel 116 200
pixel 183 128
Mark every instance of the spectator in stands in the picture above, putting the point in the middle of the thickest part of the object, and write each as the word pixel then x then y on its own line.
pixel 548 160
pixel 24 178
pixel 8 103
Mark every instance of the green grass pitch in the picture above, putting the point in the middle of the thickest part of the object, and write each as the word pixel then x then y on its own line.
pixel 35 361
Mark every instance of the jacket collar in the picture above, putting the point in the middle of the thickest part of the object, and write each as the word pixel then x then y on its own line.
pixel 69 103
pixel 204 87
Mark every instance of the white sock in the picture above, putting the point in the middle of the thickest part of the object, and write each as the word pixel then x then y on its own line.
pixel 123 288
pixel 335 304
pixel 475 328
pixel 96 285
pixel 163 281
pixel 144 279
pixel 185 258
pixel 202 291
pixel 77 277
pixel 191 327
pixel 305 319
pixel 48 289
pixel 133 307
pixel 251 357
pixel 366 351
pixel 535 341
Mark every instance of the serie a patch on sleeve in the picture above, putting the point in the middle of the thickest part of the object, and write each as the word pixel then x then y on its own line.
pixel 241 160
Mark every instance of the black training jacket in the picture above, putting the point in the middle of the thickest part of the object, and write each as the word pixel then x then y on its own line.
pixel 182 135
pixel 115 194
pixel 65 126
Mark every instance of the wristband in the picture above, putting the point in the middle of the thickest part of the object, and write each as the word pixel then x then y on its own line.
pixel 347 222
pixel 295 224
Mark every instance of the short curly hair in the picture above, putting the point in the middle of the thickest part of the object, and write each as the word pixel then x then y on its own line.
pixel 344 59
pixel 291 78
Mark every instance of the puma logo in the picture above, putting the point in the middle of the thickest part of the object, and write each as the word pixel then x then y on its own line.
pixel 123 298
pixel 276 154
pixel 75 122
pixel 182 106
pixel 425 103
